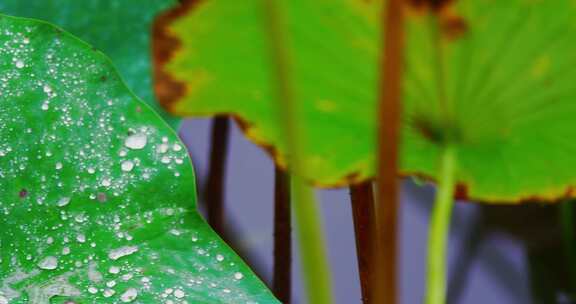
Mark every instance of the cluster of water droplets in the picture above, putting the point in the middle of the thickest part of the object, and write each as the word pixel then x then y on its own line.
pixel 96 193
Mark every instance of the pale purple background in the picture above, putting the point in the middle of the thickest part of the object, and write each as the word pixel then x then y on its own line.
pixel 249 207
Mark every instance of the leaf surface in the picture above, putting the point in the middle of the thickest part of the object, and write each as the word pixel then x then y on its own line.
pixel 97 193
pixel 119 28
pixel 494 78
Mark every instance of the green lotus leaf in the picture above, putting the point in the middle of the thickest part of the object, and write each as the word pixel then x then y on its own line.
pixel 97 193
pixel 119 28
pixel 494 78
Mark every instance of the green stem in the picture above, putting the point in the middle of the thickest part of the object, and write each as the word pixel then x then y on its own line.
pixel 440 224
pixel 312 249
pixel 307 218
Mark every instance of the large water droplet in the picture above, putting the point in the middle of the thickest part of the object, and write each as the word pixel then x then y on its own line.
pixel 122 251
pixel 48 263
pixel 136 141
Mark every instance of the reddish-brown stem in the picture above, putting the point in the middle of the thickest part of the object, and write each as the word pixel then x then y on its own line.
pixel 215 184
pixel 362 198
pixel 389 111
pixel 282 281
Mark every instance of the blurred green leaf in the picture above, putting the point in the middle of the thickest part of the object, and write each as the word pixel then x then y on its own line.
pixel 493 78
pixel 97 193
pixel 504 71
pixel 222 61
pixel 120 28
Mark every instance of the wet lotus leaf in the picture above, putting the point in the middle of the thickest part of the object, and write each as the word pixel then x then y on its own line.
pixel 119 28
pixel 97 193
pixel 493 77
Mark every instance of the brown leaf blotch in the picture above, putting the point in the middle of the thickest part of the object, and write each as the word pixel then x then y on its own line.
pixel 452 25
pixel 430 5
pixel 164 45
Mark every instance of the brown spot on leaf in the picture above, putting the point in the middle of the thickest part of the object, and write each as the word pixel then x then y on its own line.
pixel 101 197
pixel 452 25
pixel 164 45
pixel 430 5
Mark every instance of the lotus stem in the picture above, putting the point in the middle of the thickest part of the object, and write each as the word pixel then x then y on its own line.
pixel 315 266
pixel 439 230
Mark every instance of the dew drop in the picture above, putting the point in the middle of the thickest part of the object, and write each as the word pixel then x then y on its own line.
pixel 136 141
pixel 48 263
pixel 19 63
pixel 129 296
pixel 179 294
pixel 162 148
pixel 121 252
pixel 109 292
pixel 81 238
pixel 63 201
pixel 127 165
pixel 238 276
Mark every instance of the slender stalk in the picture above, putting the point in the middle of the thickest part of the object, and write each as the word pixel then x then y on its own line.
pixel 384 254
pixel 282 281
pixel 215 184
pixel 307 218
pixel 362 198
pixel 440 224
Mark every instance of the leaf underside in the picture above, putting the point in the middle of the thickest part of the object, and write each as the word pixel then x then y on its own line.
pixel 119 28
pixel 493 78
pixel 97 193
